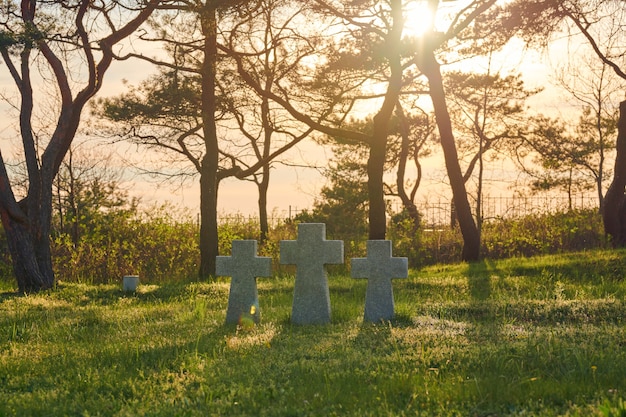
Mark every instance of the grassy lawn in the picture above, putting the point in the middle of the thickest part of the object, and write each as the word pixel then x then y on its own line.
pixel 523 337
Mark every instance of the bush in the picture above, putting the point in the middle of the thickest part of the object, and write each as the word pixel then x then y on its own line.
pixel 543 234
pixel 503 238
pixel 161 244
pixel 156 245
pixel 425 246
pixel 236 228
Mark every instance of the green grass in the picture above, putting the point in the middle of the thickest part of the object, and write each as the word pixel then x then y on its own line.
pixel 521 337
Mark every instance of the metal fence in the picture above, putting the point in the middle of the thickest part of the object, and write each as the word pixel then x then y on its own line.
pixel 439 213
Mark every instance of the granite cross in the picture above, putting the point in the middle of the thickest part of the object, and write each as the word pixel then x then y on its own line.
pixel 311 300
pixel 244 266
pixel 379 267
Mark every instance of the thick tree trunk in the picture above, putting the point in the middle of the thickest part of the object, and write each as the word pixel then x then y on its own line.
pixel 471 238
pixel 20 234
pixel 375 188
pixel 28 274
pixel 208 221
pixel 378 142
pixel 614 213
pixel 209 249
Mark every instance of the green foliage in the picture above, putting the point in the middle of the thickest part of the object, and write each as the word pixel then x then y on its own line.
pixel 170 96
pixel 155 245
pixel 571 157
pixel 536 336
pixel 425 246
pixel 161 245
pixel 502 238
pixel 236 228
pixel 555 233
pixel 343 204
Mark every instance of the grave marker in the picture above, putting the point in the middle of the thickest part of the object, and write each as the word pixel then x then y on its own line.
pixel 379 268
pixel 130 283
pixel 244 266
pixel 310 253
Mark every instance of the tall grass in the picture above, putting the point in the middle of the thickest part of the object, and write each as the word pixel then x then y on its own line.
pixel 540 336
pixel 161 245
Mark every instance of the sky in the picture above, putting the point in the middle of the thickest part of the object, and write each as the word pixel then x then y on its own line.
pixel 293 189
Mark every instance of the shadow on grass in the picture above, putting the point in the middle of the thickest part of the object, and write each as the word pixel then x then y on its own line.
pixel 373 336
pixel 105 294
pixel 10 295
pixel 485 325
pixel 578 267
pixel 479 280
pixel 108 295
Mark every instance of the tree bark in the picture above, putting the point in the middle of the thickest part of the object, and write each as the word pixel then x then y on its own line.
pixel 403 156
pixel 375 188
pixel 263 187
pixel 209 248
pixel 20 240
pixel 471 238
pixel 614 213
pixel 378 142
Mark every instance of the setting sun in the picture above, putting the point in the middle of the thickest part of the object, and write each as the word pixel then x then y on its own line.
pixel 419 18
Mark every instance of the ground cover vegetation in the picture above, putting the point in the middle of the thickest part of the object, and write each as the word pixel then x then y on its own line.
pixel 539 336
pixel 161 243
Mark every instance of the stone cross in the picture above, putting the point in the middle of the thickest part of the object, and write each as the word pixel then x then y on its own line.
pixel 379 267
pixel 244 266
pixel 311 300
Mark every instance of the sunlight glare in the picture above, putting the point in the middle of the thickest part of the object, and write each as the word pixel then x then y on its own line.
pixel 419 19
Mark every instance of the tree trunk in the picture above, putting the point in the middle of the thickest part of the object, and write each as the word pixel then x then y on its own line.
pixel 614 213
pixel 17 228
pixel 378 142
pixel 375 170
pixel 209 249
pixel 263 186
pixel 23 255
pixel 208 220
pixel 471 238
pixel 268 131
pixel 403 156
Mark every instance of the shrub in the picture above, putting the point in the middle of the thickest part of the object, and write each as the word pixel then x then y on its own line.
pixel 156 244
pixel 543 234
pixel 503 238
pixel 161 244
pixel 237 227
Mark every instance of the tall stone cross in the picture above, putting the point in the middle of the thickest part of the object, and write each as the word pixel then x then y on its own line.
pixel 379 268
pixel 311 299
pixel 244 266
